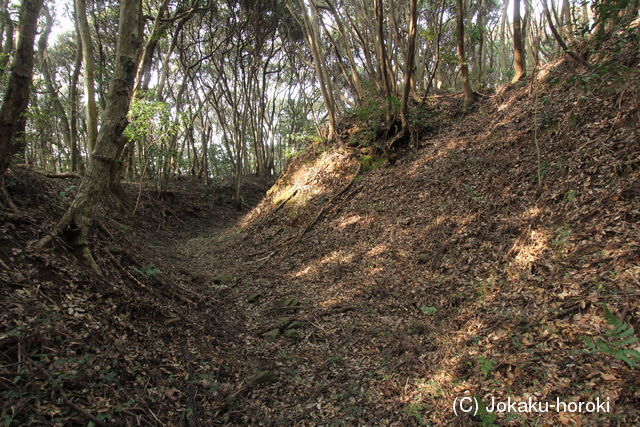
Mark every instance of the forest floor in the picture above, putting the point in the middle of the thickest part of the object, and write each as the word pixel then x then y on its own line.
pixel 482 263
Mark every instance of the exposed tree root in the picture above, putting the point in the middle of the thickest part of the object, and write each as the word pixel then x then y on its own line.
pixel 5 198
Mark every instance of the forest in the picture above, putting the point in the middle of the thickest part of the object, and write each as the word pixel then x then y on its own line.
pixel 320 212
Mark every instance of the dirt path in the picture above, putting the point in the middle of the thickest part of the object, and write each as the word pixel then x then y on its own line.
pixel 291 358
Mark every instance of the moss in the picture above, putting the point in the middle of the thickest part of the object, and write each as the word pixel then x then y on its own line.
pixel 370 162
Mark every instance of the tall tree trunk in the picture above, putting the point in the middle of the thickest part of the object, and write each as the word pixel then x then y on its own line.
pixel 319 65
pixel 382 54
pixel 469 96
pixel 144 73
pixel 76 160
pixel 482 7
pixel 51 87
pixel 518 48
pixel 89 74
pixel 16 97
pixel 75 223
pixel 7 47
pixel 409 62
pixel 436 63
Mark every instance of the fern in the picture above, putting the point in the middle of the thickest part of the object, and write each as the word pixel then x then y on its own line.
pixel 618 341
pixel 148 270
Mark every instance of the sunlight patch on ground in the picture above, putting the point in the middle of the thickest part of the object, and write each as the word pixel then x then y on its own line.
pixel 314 266
pixel 378 250
pixel 353 219
pixel 531 249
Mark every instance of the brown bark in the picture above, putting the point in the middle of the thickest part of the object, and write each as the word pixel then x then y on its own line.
pixel 75 223
pixel 559 39
pixel 89 71
pixel 382 54
pixel 518 48
pixel 16 98
pixel 409 62
pixel 7 47
pixel 144 73
pixel 469 96
pixel 437 59
pixel 76 160
pixel 51 87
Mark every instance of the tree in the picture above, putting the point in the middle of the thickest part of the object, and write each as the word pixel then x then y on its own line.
pixel 75 223
pixel 469 96
pixel 518 47
pixel 89 72
pixel 408 70
pixel 16 98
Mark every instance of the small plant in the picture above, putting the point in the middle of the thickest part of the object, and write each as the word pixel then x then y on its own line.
pixel 148 270
pixel 618 341
pixel 67 190
pixel 472 193
pixel 562 237
pixel 486 365
pixel 416 410
pixel 429 311
pixel 487 419
pixel 571 194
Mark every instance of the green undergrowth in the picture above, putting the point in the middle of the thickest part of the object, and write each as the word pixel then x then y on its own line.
pixel 370 126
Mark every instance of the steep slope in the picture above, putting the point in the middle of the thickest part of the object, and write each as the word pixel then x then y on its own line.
pixel 475 265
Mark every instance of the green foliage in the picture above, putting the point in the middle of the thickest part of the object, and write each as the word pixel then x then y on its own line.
pixel 487 419
pixel 429 311
pixel 486 365
pixel 416 410
pixel 619 341
pixel 562 237
pixel 473 195
pixel 148 270
pixel 67 190
pixel 371 162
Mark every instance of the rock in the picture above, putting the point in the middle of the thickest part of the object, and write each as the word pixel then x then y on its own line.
pixel 291 333
pixel 272 335
pixel 254 297
pixel 265 378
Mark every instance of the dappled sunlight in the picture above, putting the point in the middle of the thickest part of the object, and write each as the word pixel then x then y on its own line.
pixel 315 265
pixel 308 176
pixel 530 250
pixel 350 220
pixel 377 250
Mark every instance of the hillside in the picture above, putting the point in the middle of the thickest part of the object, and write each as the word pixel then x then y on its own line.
pixel 476 264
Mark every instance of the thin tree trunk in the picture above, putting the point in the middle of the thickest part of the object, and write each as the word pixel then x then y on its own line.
pixel 469 96
pixel 76 160
pixel 382 54
pixel 409 62
pixel 89 74
pixel 559 39
pixel 482 7
pixel 518 49
pixel 437 60
pixel 318 62
pixel 51 88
